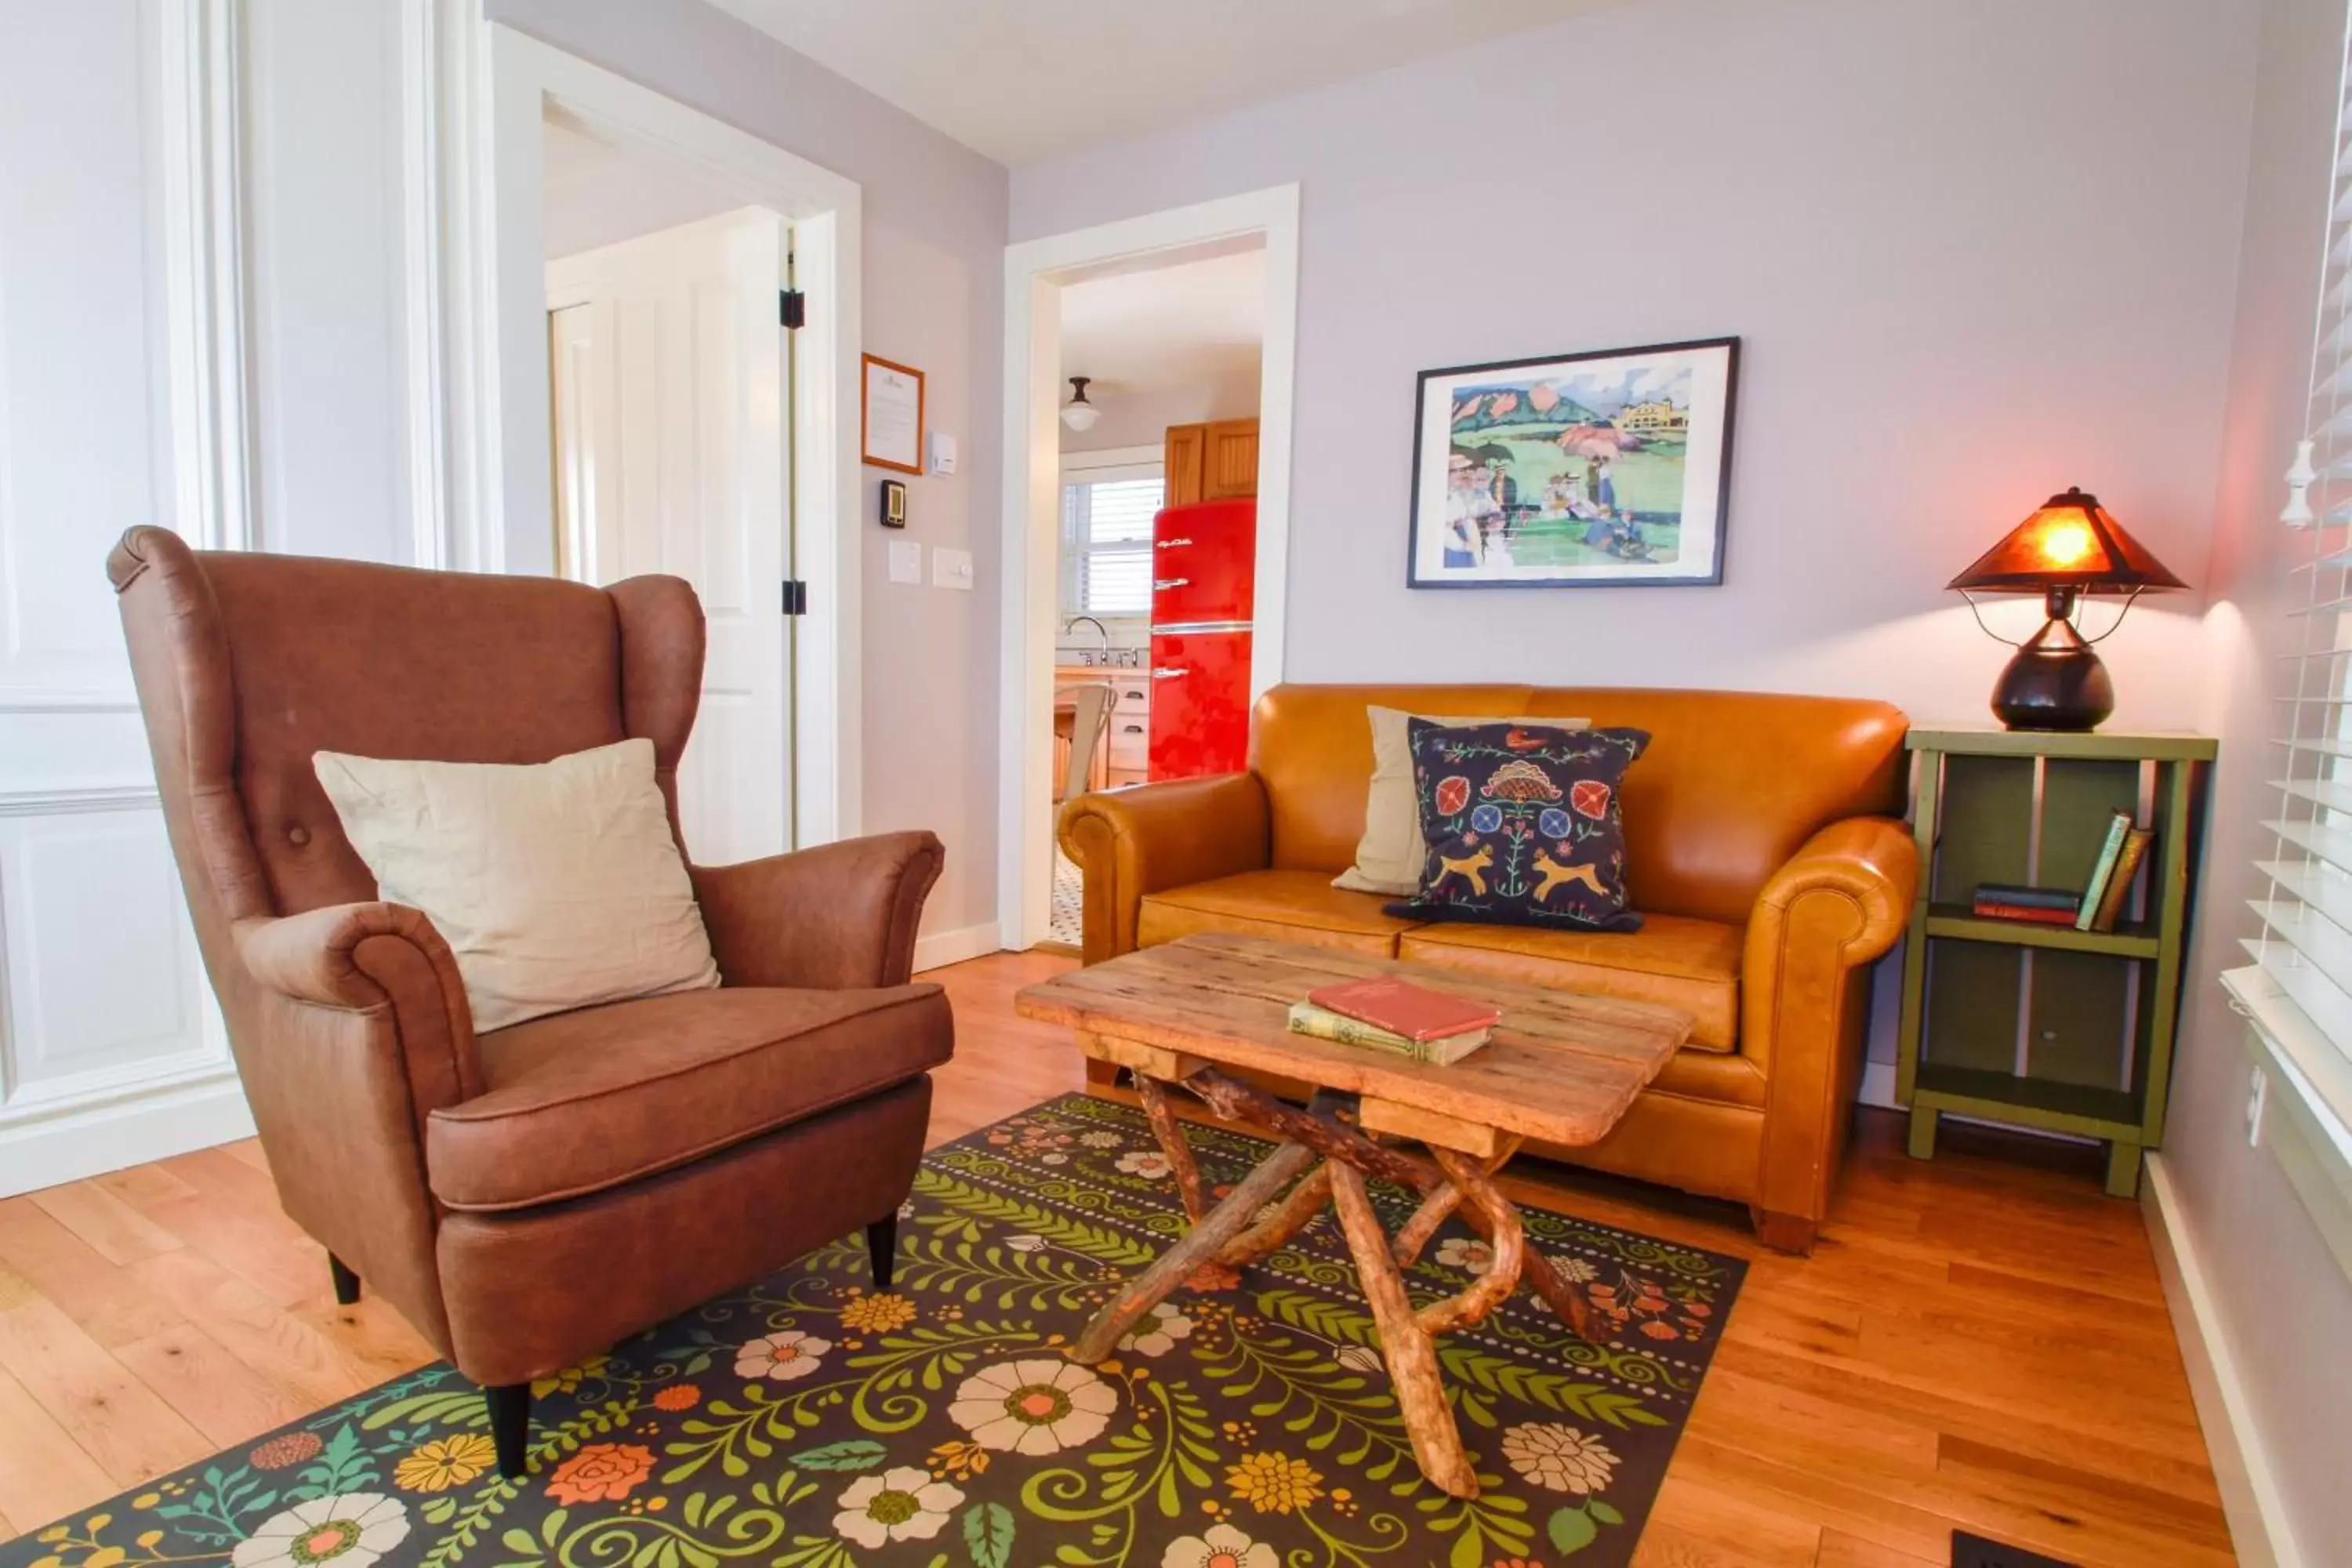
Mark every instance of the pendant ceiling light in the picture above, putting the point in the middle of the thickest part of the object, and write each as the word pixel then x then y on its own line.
pixel 1077 413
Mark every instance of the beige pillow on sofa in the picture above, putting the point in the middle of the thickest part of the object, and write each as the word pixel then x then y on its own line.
pixel 1390 855
pixel 557 885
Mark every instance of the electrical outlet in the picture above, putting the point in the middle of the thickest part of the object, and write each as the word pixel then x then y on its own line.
pixel 2258 1094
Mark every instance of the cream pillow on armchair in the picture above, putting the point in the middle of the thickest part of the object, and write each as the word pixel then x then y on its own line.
pixel 557 885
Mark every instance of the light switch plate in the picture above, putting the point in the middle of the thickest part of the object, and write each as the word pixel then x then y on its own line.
pixel 943 454
pixel 906 561
pixel 951 569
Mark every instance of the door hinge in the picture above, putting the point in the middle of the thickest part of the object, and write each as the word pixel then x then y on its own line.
pixel 795 596
pixel 793 308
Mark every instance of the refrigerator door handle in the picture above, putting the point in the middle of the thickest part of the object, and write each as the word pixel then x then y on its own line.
pixel 1169 672
pixel 1161 585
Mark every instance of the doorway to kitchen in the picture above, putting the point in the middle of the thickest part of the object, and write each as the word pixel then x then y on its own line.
pixel 1148 385
pixel 1158 530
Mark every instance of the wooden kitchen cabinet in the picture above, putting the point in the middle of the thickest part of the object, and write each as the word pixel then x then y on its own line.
pixel 1213 461
pixel 1229 462
pixel 1180 462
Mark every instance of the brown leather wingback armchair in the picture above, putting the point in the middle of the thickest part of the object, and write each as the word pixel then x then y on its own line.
pixel 527 1196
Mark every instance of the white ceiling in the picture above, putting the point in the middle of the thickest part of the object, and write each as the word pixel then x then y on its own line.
pixel 1025 79
pixel 1199 324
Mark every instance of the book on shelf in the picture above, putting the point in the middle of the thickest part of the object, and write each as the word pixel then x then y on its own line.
pixel 2032 914
pixel 2103 870
pixel 2065 899
pixel 1400 1007
pixel 1322 1023
pixel 2128 860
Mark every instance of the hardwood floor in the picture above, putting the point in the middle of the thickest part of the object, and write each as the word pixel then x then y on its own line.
pixel 1976 1343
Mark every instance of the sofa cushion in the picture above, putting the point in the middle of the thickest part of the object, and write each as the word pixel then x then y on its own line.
pixel 1686 963
pixel 1289 906
pixel 1522 825
pixel 585 1100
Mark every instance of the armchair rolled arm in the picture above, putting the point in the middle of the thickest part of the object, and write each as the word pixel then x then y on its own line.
pixel 375 958
pixel 835 918
pixel 1132 842
pixel 1841 903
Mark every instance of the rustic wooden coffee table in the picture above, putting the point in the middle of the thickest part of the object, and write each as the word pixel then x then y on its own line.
pixel 1562 1066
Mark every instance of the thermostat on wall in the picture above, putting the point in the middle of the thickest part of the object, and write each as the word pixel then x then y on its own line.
pixel 943 454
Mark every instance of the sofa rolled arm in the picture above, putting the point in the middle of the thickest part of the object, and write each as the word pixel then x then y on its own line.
pixel 1871 861
pixel 1132 842
pixel 375 958
pixel 839 916
pixel 1841 903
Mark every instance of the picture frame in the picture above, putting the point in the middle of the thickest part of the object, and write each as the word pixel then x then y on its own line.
pixel 891 414
pixel 1603 469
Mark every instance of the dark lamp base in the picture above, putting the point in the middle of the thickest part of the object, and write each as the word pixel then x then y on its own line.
pixel 2054 683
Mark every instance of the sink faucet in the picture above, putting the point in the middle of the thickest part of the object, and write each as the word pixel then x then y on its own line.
pixel 1101 631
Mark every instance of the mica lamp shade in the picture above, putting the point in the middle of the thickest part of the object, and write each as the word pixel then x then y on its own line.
pixel 2069 547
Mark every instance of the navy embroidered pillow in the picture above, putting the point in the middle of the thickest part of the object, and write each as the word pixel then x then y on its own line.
pixel 1522 825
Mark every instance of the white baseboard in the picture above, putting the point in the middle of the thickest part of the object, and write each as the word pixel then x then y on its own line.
pixel 945 947
pixel 69 1147
pixel 2250 1495
pixel 1878 1086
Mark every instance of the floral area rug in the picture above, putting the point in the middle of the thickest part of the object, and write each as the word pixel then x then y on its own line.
pixel 813 1421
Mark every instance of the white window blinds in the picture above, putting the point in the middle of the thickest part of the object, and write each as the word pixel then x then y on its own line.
pixel 2304 947
pixel 1107 537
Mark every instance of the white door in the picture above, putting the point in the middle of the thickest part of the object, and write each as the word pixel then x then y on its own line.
pixel 669 370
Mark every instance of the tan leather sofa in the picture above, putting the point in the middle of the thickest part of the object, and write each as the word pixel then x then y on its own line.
pixel 530 1195
pixel 1764 850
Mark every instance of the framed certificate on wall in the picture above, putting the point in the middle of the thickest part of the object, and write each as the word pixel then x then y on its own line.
pixel 890 419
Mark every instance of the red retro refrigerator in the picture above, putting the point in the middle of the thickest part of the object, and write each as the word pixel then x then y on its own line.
pixel 1204 582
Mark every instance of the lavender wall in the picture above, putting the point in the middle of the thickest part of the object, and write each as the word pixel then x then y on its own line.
pixel 2282 1302
pixel 933 292
pixel 1976 252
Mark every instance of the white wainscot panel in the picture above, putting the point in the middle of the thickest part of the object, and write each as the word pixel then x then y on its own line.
pixel 110 1049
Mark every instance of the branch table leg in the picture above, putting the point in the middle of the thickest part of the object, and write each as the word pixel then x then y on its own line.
pixel 1411 1355
pixel 1302 1204
pixel 1198 1246
pixel 1441 1201
pixel 1171 1143
pixel 1490 1289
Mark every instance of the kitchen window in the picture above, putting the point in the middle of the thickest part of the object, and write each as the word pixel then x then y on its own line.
pixel 1107 514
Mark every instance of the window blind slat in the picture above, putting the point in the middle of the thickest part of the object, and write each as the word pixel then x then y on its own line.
pixel 2324 943
pixel 2335 795
pixel 2333 845
pixel 2321 1000
pixel 2316 886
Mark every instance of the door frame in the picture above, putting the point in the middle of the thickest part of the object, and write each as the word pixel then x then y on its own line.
pixel 1036 271
pixel 480 438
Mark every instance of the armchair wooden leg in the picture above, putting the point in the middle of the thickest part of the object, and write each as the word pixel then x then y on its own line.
pixel 882 1247
pixel 510 1408
pixel 347 1284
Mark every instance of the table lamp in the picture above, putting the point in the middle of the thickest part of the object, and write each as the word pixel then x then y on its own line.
pixel 2069 548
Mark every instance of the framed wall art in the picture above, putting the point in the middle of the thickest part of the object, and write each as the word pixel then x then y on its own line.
pixel 890 416
pixel 1604 469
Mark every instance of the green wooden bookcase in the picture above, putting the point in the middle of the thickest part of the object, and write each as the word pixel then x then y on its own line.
pixel 2046 1027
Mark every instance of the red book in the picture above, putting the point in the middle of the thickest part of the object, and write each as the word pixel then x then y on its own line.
pixel 1400 1007
pixel 2032 912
